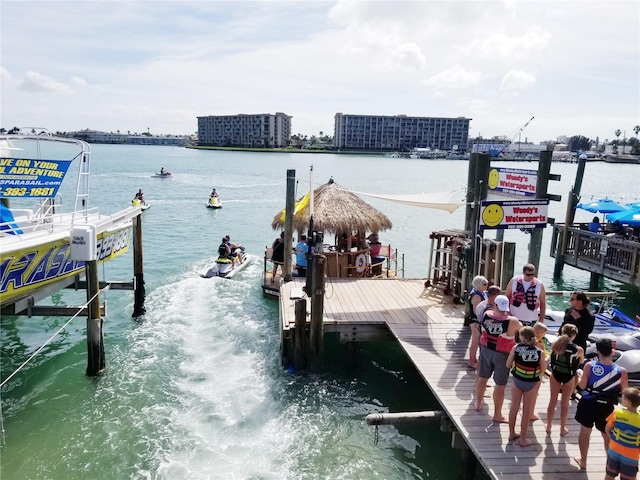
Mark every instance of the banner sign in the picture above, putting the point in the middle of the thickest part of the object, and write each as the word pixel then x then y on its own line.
pixel 512 181
pixel 26 270
pixel 523 214
pixel 25 178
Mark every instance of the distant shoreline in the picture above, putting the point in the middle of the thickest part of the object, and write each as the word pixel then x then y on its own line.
pixel 287 150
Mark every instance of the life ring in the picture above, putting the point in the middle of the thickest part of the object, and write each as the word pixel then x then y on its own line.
pixel 360 262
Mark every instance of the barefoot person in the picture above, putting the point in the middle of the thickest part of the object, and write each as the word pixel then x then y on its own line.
pixel 601 382
pixel 527 362
pixel 566 357
pixel 498 330
pixel 477 295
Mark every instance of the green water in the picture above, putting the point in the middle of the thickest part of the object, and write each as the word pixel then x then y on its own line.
pixel 195 389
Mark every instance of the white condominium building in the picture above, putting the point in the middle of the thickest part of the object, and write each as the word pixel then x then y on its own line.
pixel 261 130
pixel 399 132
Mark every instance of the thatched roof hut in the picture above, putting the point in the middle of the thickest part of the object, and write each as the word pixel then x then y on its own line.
pixel 337 210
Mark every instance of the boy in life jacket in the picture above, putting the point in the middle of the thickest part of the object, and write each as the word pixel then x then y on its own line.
pixel 623 427
pixel 528 296
pixel 601 383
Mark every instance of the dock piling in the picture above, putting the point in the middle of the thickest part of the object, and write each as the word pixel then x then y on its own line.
pixel 95 335
pixel 138 270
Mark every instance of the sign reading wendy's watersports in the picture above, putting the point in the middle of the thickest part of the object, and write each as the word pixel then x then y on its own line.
pixel 512 181
pixel 25 178
pixel 523 214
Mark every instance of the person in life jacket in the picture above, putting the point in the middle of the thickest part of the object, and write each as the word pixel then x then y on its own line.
pixel 528 296
pixel 477 295
pixel 623 427
pixel 601 384
pixel 566 358
pixel 527 360
pixel 498 330
pixel 223 249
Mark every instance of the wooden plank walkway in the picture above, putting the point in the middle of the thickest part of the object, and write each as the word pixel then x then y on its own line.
pixel 430 329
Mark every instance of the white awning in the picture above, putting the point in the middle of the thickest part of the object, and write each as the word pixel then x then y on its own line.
pixel 439 201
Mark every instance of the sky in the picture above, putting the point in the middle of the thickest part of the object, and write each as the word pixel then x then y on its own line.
pixel 572 65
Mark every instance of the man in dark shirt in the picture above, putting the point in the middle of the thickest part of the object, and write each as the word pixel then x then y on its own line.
pixel 580 316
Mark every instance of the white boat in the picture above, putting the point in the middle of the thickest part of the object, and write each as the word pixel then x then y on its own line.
pixel 214 202
pixel 226 267
pixel 33 167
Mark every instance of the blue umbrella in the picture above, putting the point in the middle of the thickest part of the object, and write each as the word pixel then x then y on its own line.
pixel 604 205
pixel 629 217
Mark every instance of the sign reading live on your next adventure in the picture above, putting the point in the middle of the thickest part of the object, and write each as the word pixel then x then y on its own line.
pixel 513 182
pixel 25 178
pixel 522 214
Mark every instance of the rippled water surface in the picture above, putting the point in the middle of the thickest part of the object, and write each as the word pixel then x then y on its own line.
pixel 195 388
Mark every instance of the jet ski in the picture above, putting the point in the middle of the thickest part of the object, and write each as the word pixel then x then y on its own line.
pixel 164 174
pixel 136 202
pixel 609 320
pixel 214 202
pixel 227 267
pixel 626 353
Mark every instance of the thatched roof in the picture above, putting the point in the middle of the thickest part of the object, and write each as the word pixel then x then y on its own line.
pixel 337 210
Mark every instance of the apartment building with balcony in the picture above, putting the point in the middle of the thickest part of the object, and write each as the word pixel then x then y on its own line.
pixel 399 132
pixel 262 130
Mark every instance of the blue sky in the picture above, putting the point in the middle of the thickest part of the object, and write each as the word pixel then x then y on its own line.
pixel 574 65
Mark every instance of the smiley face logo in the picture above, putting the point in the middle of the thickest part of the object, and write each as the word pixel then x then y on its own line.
pixel 494 178
pixel 492 215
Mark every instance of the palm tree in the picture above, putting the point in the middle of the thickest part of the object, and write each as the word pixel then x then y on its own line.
pixel 617 132
pixel 636 130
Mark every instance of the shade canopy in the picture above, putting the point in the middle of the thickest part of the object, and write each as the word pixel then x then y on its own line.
pixel 336 210
pixel 604 205
pixel 629 217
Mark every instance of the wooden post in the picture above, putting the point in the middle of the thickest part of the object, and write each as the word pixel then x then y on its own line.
pixel 139 292
pixel 470 215
pixel 288 224
pixel 316 341
pixel 572 202
pixel 95 337
pixel 300 335
pixel 594 281
pixel 508 263
pixel 544 168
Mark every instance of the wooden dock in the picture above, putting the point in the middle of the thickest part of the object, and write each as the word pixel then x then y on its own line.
pixel 430 328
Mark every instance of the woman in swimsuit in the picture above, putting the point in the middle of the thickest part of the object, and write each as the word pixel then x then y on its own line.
pixel 566 357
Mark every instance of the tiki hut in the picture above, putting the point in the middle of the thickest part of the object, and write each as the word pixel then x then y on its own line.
pixel 336 210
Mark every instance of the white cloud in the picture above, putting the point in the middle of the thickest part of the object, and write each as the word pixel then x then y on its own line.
pixel 36 82
pixel 455 77
pixel 517 80
pixel 162 64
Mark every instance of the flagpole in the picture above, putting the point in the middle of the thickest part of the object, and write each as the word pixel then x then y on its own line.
pixel 310 235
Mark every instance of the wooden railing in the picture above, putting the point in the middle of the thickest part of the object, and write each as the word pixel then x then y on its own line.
pixel 612 257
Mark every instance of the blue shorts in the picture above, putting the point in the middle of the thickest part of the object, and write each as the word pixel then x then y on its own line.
pixel 617 464
pixel 492 362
